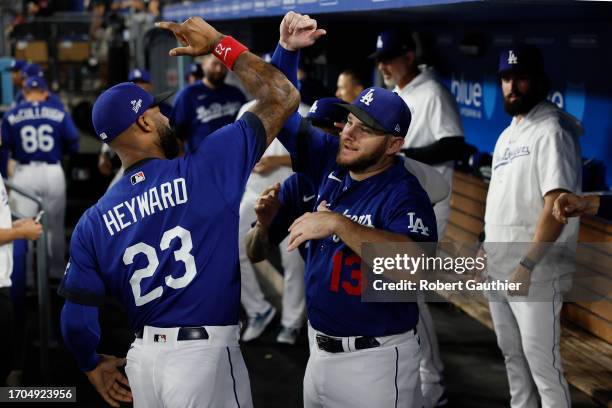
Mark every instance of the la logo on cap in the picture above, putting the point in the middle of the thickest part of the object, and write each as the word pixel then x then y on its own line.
pixel 379 42
pixel 314 107
pixel 512 58
pixel 103 136
pixel 136 105
pixel 368 98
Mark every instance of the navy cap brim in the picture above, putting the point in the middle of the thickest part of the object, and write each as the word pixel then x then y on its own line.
pixel 162 97
pixel 363 116
pixel 387 55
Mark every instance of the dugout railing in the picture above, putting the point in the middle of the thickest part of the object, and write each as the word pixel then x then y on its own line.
pixel 42 282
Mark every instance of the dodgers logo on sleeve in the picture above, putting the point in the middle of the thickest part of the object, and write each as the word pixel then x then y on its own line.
pixel 416 225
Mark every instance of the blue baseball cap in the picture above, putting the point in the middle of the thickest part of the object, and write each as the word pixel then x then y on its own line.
pixel 327 110
pixel 31 70
pixel 16 65
pixel 527 59
pixel 393 43
pixel 139 75
pixel 35 82
pixel 195 69
pixel 381 110
pixel 120 106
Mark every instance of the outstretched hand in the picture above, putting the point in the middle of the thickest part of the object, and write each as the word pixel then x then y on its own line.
pixel 196 36
pixel 299 31
pixel 107 380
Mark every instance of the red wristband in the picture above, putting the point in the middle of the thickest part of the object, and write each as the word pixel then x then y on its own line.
pixel 228 50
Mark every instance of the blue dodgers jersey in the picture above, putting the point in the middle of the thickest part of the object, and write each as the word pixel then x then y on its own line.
pixel 297 196
pixel 392 200
pixel 164 239
pixel 199 110
pixel 39 131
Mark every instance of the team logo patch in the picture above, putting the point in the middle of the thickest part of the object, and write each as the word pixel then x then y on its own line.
pixel 415 224
pixel 137 178
pixel 103 136
pixel 136 105
pixel 379 42
pixel 397 128
pixel 512 59
pixel 368 98
pixel 159 338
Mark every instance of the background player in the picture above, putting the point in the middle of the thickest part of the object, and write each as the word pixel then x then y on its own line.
pixel 536 158
pixel 34 71
pixel 205 106
pixel 323 113
pixel 176 274
pixel 38 133
pixel 274 167
pixel 349 85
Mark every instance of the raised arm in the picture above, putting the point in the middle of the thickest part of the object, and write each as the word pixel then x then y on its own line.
pixel 276 98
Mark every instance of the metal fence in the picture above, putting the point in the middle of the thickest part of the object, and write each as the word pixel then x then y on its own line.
pixel 42 275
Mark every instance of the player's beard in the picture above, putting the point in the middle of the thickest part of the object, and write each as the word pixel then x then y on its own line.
pixel 362 163
pixel 217 79
pixel 523 104
pixel 168 142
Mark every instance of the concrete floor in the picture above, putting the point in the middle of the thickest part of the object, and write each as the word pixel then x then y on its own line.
pixel 474 368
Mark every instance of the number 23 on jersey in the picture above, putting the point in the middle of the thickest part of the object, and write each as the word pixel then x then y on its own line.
pixel 183 254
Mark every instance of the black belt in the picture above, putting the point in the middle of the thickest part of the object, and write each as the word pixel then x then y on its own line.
pixel 37 162
pixel 334 345
pixel 184 333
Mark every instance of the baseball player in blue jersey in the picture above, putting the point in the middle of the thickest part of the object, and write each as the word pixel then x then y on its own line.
pixel 163 240
pixel 38 133
pixel 205 106
pixel 363 354
pixel 34 71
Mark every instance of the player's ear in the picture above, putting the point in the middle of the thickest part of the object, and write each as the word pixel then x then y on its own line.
pixel 145 123
pixel 394 145
pixel 411 57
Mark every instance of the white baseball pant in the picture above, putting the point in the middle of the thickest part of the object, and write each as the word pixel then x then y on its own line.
pixel 49 183
pixel 528 334
pixel 252 297
pixel 191 373
pixel 384 376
